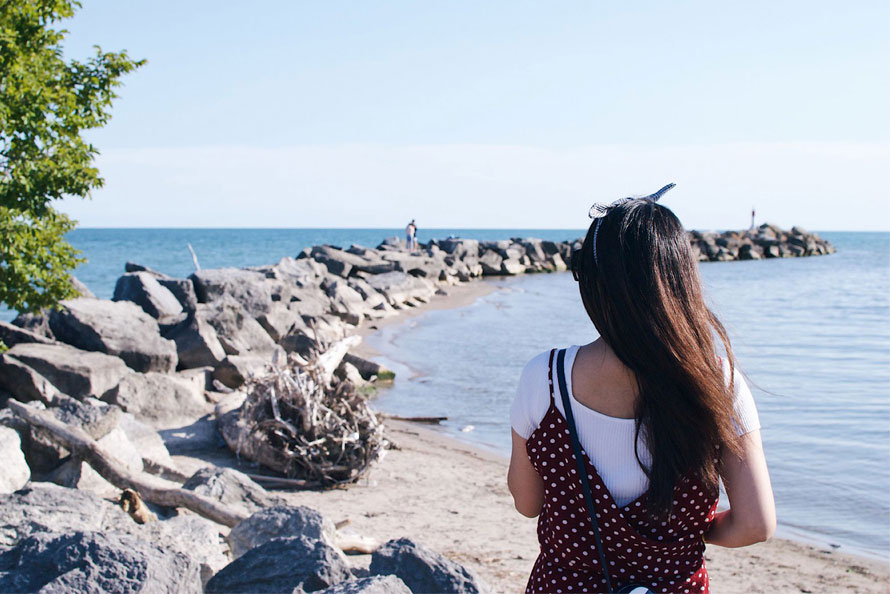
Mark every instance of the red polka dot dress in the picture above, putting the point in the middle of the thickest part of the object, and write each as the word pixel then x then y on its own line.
pixel 665 556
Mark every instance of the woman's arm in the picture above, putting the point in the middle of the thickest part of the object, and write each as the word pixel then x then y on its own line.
pixel 523 480
pixel 751 516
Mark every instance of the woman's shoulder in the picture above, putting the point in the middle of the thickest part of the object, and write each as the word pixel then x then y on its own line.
pixel 532 395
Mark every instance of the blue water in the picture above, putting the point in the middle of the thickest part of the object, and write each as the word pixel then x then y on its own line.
pixel 811 334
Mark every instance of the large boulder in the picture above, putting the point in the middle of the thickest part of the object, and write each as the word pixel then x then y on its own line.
pixel 460 248
pixel 297 564
pixel 233 488
pixel 11 335
pixel 280 320
pixel 235 369
pixel 143 289
pixel 117 328
pixel 491 262
pixel 92 562
pixel 45 507
pixel 375 584
pixel 248 287
pixel 75 372
pixel 161 400
pixel 14 473
pixel 238 331
pixel 197 343
pixel 280 521
pixel 421 569
pixel 400 287
pixel 23 382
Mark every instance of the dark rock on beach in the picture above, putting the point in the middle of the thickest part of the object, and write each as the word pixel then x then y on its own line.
pixel 376 584
pixel 422 569
pixel 272 522
pixel 296 564
pixel 95 562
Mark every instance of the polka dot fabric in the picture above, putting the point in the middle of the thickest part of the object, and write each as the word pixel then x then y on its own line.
pixel 665 556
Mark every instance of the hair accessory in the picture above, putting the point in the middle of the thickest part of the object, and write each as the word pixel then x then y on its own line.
pixel 598 211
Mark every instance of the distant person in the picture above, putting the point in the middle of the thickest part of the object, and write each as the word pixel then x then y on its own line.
pixel 618 445
pixel 752 218
pixel 411 236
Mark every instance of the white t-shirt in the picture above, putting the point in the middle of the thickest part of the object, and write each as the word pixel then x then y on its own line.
pixel 608 441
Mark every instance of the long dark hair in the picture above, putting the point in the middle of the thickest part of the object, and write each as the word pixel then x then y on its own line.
pixel 643 293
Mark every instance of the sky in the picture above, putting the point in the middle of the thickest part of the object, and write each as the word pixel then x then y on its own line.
pixel 490 114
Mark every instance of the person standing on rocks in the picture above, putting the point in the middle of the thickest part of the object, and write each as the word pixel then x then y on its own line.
pixel 660 416
pixel 411 236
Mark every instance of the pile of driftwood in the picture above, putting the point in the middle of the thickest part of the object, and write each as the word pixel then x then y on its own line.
pixel 303 422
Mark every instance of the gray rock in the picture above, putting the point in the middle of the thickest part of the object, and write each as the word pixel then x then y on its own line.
pixel 297 564
pixel 375 584
pixel 135 267
pixel 400 287
pixel 75 372
pixel 23 382
pixel 117 328
pixel 95 417
pixel 280 320
pixel 197 343
pixel 490 262
pixel 143 289
pixel 14 472
pixel 248 287
pixel 82 289
pixel 368 369
pixel 161 400
pixel 512 266
pixel 460 248
pixel 235 370
pixel 92 563
pixel 12 335
pixel 37 323
pixel 277 522
pixel 44 507
pixel 421 569
pixel 239 333
pixel 183 290
pixel 231 487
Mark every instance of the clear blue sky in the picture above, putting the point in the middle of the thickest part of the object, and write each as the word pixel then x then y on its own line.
pixel 491 114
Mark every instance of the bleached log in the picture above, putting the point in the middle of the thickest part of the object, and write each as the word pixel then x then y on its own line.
pixel 329 360
pixel 150 488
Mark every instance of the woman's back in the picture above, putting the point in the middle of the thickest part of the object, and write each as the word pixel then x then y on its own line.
pixel 659 421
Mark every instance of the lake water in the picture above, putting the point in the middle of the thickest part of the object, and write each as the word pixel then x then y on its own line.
pixel 811 334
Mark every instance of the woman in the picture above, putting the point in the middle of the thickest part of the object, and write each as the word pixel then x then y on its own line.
pixel 660 415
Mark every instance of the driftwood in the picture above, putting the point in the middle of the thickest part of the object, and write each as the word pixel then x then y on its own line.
pixel 148 487
pixel 426 420
pixel 299 420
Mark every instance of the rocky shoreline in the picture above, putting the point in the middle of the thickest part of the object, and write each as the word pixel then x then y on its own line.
pixel 112 388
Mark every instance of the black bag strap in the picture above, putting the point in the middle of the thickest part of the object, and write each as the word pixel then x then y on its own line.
pixel 579 458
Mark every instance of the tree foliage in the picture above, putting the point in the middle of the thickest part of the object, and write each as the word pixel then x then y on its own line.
pixel 46 102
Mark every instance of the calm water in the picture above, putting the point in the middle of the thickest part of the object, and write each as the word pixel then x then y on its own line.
pixel 811 334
